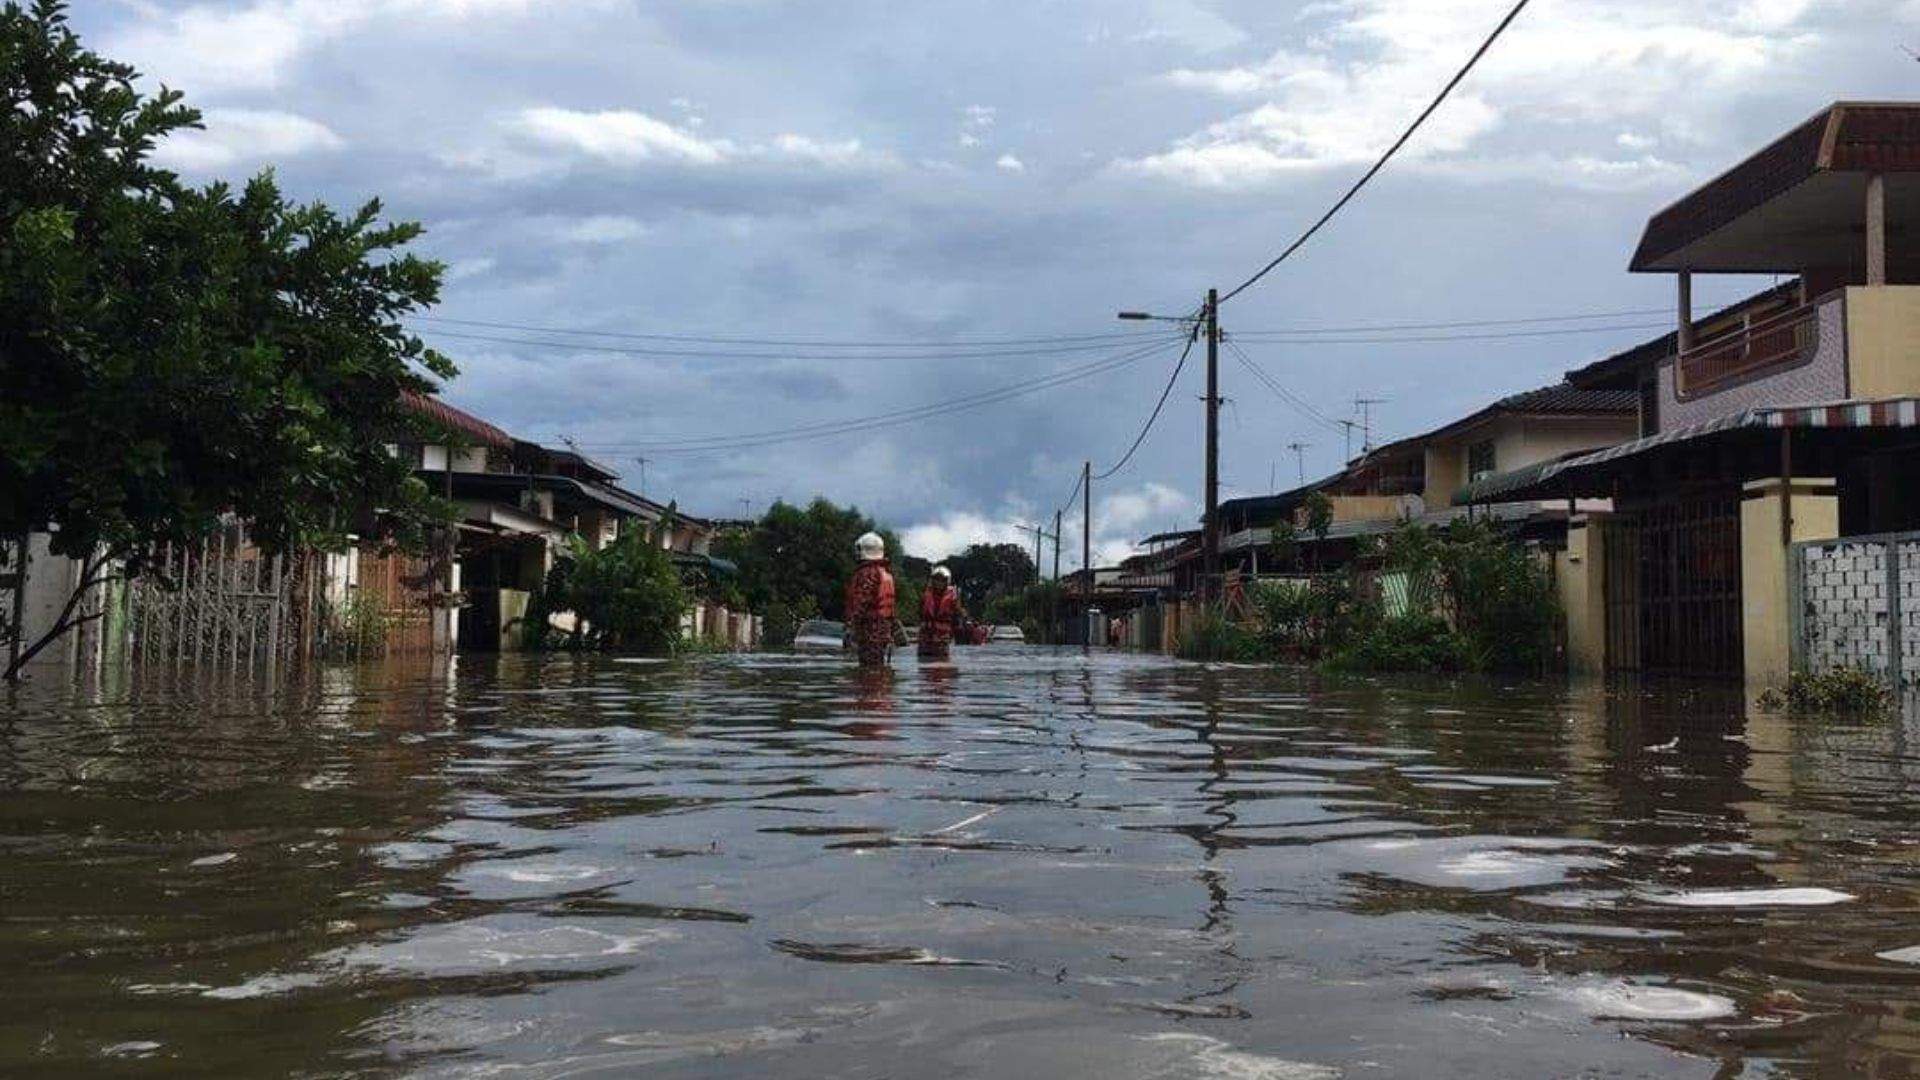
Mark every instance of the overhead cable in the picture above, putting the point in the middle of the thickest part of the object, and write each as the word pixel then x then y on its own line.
pixel 827 429
pixel 1432 106
pixel 1192 336
pixel 708 354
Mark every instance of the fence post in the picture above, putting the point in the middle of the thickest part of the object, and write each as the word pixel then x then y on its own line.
pixel 1797 607
pixel 1896 653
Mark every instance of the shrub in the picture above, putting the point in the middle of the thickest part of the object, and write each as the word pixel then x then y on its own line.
pixel 1413 642
pixel 1493 592
pixel 1840 691
pixel 1215 637
pixel 1308 620
pixel 627 595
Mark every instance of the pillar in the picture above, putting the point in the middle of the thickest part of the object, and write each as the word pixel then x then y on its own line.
pixel 1876 229
pixel 1583 593
pixel 1766 620
pixel 1685 299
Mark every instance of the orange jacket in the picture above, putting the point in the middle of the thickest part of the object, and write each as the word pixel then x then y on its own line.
pixel 870 593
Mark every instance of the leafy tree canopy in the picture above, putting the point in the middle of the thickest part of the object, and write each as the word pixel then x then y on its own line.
pixel 169 354
pixel 984 571
pixel 801 557
pixel 173 353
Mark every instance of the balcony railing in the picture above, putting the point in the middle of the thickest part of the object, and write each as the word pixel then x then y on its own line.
pixel 1760 347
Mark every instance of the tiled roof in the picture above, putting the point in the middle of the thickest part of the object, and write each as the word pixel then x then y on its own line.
pixel 1845 137
pixel 464 423
pixel 1570 399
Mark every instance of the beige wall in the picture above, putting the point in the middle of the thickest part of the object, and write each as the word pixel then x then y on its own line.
pixel 1883 341
pixel 1518 441
pixel 1765 619
pixel 1581 576
pixel 1364 508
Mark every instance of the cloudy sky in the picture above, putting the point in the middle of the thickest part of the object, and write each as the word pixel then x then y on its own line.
pixel 950 175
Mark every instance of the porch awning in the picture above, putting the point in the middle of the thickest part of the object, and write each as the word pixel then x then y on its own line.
pixel 1538 481
pixel 712 563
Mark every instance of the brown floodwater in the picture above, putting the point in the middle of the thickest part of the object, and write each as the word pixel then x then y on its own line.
pixel 1030 863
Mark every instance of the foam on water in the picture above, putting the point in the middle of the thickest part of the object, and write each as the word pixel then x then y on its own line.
pixel 1802 896
pixel 1622 1000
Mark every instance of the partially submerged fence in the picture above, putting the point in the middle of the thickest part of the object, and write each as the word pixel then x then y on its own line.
pixel 230 606
pixel 1855 603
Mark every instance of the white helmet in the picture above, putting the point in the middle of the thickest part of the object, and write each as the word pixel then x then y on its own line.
pixel 870 548
pixel 943 572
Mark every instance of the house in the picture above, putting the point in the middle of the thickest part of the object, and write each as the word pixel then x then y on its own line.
pixel 1435 477
pixel 1782 421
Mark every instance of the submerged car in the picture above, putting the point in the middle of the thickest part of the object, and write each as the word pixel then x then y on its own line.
pixel 1008 635
pixel 819 636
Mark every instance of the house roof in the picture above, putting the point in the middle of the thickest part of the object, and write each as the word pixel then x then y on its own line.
pixel 1256 506
pixel 456 420
pixel 1806 166
pixel 1561 399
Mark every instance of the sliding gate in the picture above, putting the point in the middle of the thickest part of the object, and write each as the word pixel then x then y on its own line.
pixel 1673 586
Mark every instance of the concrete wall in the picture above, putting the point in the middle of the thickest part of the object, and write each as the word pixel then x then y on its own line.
pixel 1580 573
pixel 1766 618
pixel 1883 340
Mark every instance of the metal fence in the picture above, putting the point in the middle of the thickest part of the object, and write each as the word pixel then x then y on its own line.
pixel 1855 603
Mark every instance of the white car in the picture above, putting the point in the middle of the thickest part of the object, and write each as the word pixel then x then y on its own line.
pixel 1008 635
pixel 819 636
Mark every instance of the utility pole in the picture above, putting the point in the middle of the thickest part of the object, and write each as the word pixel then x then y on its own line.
pixel 1054 622
pixel 1300 457
pixel 1086 534
pixel 1365 405
pixel 1210 525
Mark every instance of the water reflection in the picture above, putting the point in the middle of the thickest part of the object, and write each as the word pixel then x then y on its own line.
pixel 1022 863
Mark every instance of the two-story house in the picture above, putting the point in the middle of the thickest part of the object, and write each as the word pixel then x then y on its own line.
pixel 1784 417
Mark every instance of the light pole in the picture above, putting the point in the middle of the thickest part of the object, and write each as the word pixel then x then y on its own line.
pixel 1209 321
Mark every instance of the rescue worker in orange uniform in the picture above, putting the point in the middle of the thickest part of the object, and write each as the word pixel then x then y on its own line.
pixel 940 615
pixel 870 614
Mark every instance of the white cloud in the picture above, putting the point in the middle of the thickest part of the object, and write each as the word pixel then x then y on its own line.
pixel 463 269
pixel 618 136
pixel 217 46
pixel 1120 519
pixel 244 135
pixel 544 139
pixel 602 229
pixel 1344 97
pixel 1009 163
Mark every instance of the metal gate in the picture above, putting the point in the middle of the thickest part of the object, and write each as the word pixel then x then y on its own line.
pixel 224 603
pixel 1673 587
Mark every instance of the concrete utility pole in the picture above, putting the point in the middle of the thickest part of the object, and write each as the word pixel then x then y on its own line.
pixel 1210 525
pixel 1054 615
pixel 1300 457
pixel 1086 529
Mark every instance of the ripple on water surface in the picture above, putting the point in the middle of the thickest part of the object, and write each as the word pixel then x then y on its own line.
pixel 1028 862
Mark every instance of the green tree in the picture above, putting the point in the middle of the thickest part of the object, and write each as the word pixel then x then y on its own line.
pixel 985 571
pixel 169 354
pixel 795 554
pixel 627 595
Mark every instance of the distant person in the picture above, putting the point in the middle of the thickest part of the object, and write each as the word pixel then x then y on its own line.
pixel 941 616
pixel 870 619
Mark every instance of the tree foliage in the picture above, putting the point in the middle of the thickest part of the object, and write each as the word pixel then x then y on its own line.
pixel 800 558
pixel 170 354
pixel 627 596
pixel 985 571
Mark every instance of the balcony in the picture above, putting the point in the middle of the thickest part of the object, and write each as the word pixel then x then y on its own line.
pixel 1754 350
pixel 1855 343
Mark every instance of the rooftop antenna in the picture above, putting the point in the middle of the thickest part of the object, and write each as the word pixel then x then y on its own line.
pixel 1365 405
pixel 642 490
pixel 1300 457
pixel 1346 428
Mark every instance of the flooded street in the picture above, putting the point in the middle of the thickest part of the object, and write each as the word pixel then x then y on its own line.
pixel 1031 864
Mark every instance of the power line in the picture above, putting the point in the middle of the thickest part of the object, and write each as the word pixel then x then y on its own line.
pixel 1192 336
pixel 706 354
pixel 827 429
pixel 1298 403
pixel 776 343
pixel 1282 336
pixel 1386 157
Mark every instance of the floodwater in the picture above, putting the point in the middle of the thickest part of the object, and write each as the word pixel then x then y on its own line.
pixel 1032 863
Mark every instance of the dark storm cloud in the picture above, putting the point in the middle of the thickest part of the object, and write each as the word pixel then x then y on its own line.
pixel 879 171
